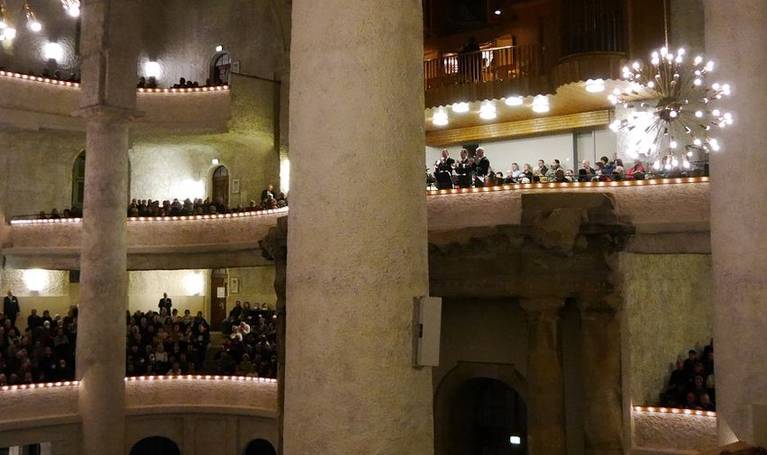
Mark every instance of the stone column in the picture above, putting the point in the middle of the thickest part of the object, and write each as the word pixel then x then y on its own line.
pixel 108 100
pixel 357 247
pixel 735 33
pixel 545 379
pixel 601 372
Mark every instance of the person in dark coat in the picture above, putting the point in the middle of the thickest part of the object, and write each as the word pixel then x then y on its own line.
pixel 165 302
pixel 11 307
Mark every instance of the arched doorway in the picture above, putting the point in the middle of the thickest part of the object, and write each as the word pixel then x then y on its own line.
pixel 78 180
pixel 155 445
pixel 488 417
pixel 260 447
pixel 220 186
pixel 220 68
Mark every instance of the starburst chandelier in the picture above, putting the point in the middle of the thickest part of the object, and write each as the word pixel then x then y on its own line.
pixel 671 110
pixel 72 7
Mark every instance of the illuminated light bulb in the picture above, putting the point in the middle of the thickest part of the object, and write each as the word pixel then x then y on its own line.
pixel 699 114
pixel 716 86
pixel 698 59
pixel 697 142
pixel 673 144
pixel 636 66
pixel 514 101
pixel 654 54
pixel 460 108
pixel 487 111
pixel 681 51
pixel 34 26
pixel 714 144
pixel 689 154
pixel 613 99
pixel 673 114
pixel 651 84
pixel 152 69
pixel 678 59
pixel 219 48
pixel 595 85
pixel 440 118
pixel 726 89
pixel 656 165
pixel 674 162
pixel 497 12
pixel 663 51
pixel 9 33
pixel 541 104
pixel 655 61
pixel 709 66
pixel 716 113
pixel 53 51
pixel 615 125
pixel 667 166
pixel 686 164
pixel 697 82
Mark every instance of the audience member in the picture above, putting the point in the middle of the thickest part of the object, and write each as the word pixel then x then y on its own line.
pixel 691 384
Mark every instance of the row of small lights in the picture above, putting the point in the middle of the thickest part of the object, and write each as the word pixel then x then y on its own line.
pixel 664 410
pixel 188 377
pixel 163 218
pixel 555 185
pixel 488 111
pixel 46 80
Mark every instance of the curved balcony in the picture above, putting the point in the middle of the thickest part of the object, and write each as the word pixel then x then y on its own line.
pixel 666 215
pixel 487 74
pixel 188 410
pixel 168 243
pixel 30 102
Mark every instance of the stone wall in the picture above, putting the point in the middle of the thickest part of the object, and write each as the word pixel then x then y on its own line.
pixel 672 433
pixel 667 311
pixel 256 286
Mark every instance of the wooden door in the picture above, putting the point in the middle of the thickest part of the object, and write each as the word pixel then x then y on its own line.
pixel 220 186
pixel 218 287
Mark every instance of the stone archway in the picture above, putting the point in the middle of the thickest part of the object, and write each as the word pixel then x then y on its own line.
pixel 260 447
pixel 454 392
pixel 155 445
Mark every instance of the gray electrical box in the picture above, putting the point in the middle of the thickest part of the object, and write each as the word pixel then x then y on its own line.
pixel 427 325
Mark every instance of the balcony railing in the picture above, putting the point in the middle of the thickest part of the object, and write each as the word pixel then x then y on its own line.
pixel 487 65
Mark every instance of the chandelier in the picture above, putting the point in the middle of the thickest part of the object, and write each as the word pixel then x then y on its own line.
pixel 671 110
pixel 8 31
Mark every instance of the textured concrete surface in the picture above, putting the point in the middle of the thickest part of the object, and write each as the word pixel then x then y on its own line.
pixel 734 31
pixel 357 250
pixel 669 432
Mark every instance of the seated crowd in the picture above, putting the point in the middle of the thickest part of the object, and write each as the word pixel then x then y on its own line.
pixel 43 352
pixel 251 346
pixel 187 207
pixel 692 384
pixel 158 343
pixel 476 171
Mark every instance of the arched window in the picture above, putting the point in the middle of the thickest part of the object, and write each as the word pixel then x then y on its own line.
pixel 220 186
pixel 155 445
pixel 78 180
pixel 221 68
pixel 260 447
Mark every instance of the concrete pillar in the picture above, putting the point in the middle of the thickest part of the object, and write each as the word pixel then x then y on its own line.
pixel 735 33
pixel 357 248
pixel 108 101
pixel 601 372
pixel 545 379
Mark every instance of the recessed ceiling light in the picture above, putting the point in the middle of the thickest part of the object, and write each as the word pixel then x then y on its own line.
pixel 487 111
pixel 460 108
pixel 439 118
pixel 497 12
pixel 514 101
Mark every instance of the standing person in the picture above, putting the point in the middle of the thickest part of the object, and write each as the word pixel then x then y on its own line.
pixel 443 170
pixel 165 302
pixel 464 169
pixel 11 307
pixel 482 166
pixel 268 193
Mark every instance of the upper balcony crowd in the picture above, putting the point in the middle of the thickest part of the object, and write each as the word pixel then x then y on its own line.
pixel 477 171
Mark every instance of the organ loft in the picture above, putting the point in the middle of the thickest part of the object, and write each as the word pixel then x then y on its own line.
pixel 452 227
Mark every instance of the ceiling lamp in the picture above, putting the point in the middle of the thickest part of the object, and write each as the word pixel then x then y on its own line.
pixel 7 32
pixel 32 23
pixel 439 118
pixel 487 111
pixel 461 108
pixel 595 85
pixel 672 110
pixel 541 104
pixel 72 7
pixel 514 101
pixel 497 12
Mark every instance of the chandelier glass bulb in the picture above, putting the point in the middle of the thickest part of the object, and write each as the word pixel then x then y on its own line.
pixel 72 7
pixel 33 25
pixel 671 108
pixel 487 111
pixel 440 118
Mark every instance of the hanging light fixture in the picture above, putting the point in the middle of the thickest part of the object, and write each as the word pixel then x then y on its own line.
pixel 32 23
pixel 72 7
pixel 7 31
pixel 672 110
